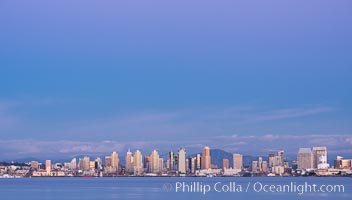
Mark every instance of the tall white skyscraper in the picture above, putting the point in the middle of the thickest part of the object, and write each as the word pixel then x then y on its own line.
pixel 85 163
pixel 154 159
pixel 129 162
pixel 73 164
pixel 182 161
pixel 115 162
pixel 138 163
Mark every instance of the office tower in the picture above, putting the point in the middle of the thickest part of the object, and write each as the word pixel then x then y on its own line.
pixel 129 162
pixel 225 163
pixel 281 158
pixel 265 166
pixel 237 161
pixel 271 160
pixel 154 162
pixel 161 164
pixel 182 161
pixel 48 166
pixel 305 158
pixel 254 166
pixel 147 163
pixel 172 161
pixel 320 157
pixel 206 159
pixel 108 161
pixel 198 162
pixel 79 164
pixel 73 164
pixel 176 162
pixel 260 162
pixel 98 163
pixel 192 162
pixel 115 162
pixel 85 163
pixel 138 163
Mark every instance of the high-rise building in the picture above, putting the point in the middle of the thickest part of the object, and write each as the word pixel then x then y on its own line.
pixel 172 163
pixel 206 159
pixel 237 161
pixel 271 160
pixel 115 162
pixel 138 163
pixel 48 166
pixel 320 157
pixel 265 166
pixel 98 163
pixel 281 158
pixel 107 161
pixel 147 163
pixel 225 163
pixel 85 163
pixel 254 166
pixel 192 164
pixel 305 158
pixel 161 164
pixel 182 161
pixel 73 164
pixel 129 162
pixel 198 162
pixel 260 163
pixel 154 162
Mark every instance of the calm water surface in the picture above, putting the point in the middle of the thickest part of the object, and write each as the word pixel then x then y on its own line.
pixel 163 188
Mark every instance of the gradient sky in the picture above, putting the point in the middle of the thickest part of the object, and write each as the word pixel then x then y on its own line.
pixel 78 77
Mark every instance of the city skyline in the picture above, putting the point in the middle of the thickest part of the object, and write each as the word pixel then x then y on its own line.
pixel 310 162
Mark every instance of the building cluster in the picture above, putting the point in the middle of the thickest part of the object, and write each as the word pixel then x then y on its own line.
pixel 309 161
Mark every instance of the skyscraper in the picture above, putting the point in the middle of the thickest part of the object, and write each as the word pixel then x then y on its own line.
pixel 192 164
pixel 225 163
pixel 73 163
pixel 182 161
pixel 271 160
pixel 304 158
pixel 85 163
pixel 171 166
pixel 115 162
pixel 237 161
pixel 281 158
pixel 260 162
pixel 161 164
pixel 198 162
pixel 129 162
pixel 48 166
pixel 320 157
pixel 154 159
pixel 254 166
pixel 138 163
pixel 206 159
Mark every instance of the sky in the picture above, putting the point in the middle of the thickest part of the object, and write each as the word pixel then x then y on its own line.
pixel 251 77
